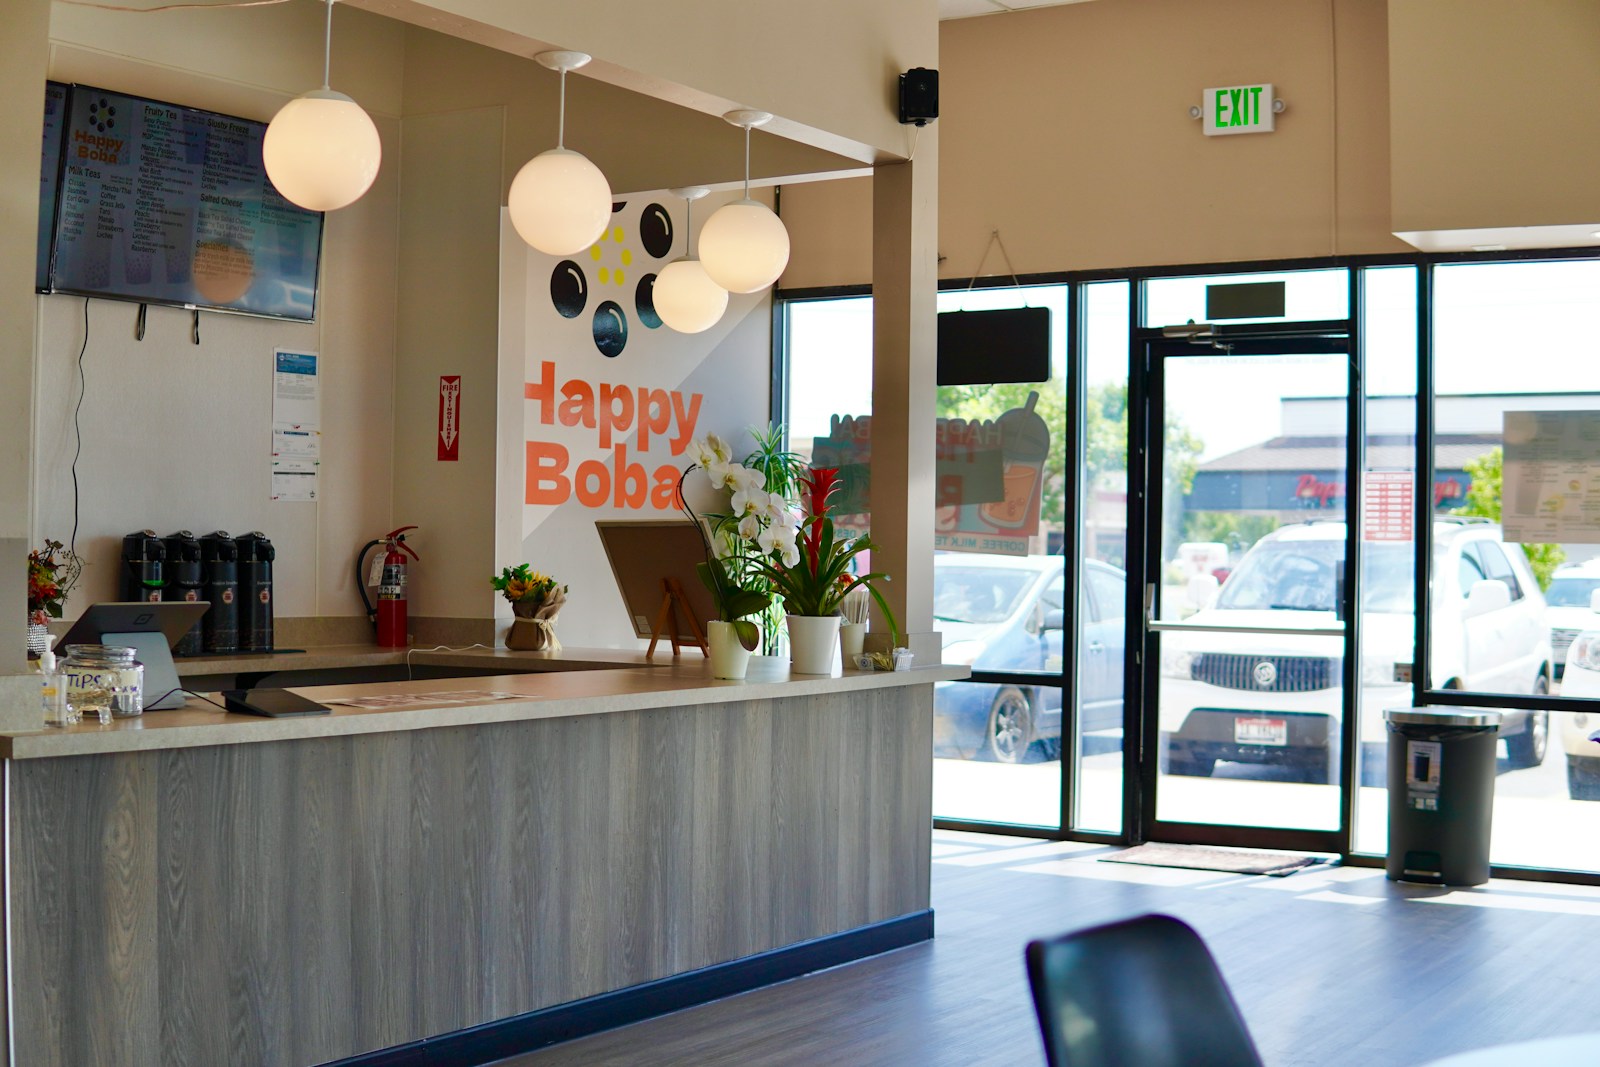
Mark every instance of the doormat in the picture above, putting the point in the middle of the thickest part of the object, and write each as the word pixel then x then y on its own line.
pixel 1205 858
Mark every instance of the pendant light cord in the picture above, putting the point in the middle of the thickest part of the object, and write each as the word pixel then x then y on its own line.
pixel 327 47
pixel 561 122
pixel 688 227
pixel 747 162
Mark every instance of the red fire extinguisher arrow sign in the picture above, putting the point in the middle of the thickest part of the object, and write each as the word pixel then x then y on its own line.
pixel 449 418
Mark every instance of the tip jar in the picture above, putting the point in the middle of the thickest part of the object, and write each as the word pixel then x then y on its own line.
pixel 103 682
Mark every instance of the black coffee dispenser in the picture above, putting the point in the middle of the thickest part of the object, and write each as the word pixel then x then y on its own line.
pixel 219 573
pixel 185 581
pixel 255 592
pixel 141 574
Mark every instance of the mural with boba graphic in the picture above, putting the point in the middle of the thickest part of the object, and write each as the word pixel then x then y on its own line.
pixel 166 204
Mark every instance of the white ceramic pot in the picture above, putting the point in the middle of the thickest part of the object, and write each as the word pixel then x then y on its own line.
pixel 813 643
pixel 729 658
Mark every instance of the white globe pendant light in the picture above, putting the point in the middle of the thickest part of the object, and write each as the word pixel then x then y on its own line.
pixel 321 150
pixel 684 295
pixel 560 203
pixel 743 245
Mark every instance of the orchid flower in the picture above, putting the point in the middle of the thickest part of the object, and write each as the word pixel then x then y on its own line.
pixel 780 539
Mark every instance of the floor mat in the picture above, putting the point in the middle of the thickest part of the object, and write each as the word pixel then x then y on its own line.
pixel 1206 858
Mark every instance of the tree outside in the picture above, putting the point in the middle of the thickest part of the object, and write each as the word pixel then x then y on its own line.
pixel 1483 500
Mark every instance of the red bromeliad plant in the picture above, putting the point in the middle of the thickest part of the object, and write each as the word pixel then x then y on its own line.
pixel 814 579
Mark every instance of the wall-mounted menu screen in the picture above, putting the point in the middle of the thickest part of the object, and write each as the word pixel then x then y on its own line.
pixel 172 205
pixel 55 114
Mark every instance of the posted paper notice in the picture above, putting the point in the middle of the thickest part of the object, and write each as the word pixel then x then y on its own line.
pixel 1550 493
pixel 296 425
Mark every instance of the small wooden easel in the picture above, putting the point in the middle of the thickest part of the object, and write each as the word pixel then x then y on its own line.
pixel 672 599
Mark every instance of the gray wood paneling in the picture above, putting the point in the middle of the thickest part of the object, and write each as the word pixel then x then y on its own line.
pixel 298 901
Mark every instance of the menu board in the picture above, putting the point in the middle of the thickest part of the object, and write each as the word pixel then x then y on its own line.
pixel 55 112
pixel 172 205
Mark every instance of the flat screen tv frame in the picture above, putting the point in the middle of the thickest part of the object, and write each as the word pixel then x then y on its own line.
pixel 221 309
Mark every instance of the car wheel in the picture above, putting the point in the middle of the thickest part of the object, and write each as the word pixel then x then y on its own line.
pixel 1528 748
pixel 1583 777
pixel 1010 726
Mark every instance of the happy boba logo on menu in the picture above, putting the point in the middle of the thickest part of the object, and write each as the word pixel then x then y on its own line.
pixel 629 421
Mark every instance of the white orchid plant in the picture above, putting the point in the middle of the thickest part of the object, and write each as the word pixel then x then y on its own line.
pixel 759 519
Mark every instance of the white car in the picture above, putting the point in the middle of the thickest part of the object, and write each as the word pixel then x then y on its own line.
pixel 1569 610
pixel 1276 699
pixel 1582 679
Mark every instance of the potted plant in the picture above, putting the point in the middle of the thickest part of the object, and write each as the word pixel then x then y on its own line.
pixel 814 570
pixel 52 572
pixel 728 571
pixel 536 600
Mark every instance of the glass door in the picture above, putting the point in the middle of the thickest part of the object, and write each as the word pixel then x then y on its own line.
pixel 1246 592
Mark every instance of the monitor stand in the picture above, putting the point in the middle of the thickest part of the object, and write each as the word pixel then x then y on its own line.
pixel 161 686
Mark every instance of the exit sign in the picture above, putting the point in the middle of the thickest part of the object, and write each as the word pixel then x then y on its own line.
pixel 1237 109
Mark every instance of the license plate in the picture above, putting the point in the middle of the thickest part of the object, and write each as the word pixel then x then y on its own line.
pixel 1255 731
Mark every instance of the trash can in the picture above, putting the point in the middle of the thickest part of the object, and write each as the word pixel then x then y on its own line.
pixel 1441 793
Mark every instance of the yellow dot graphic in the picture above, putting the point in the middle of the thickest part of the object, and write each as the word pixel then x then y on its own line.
pixel 627 257
pixel 605 275
pixel 617 277
pixel 594 253
pixel 617 234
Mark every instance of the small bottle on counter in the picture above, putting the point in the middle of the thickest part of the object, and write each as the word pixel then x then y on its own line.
pixel 53 692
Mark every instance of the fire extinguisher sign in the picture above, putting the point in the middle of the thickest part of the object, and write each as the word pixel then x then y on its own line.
pixel 449 418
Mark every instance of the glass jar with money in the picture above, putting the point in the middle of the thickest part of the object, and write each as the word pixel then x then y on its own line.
pixel 103 682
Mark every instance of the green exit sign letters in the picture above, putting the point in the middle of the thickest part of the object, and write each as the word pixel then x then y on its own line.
pixel 1237 109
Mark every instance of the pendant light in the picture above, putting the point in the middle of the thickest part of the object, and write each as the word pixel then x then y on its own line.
pixel 684 296
pixel 560 202
pixel 321 150
pixel 743 245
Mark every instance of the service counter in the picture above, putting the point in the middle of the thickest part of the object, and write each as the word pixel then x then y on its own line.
pixel 598 841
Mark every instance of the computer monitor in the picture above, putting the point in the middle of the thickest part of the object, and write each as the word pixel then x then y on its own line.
pixel 153 628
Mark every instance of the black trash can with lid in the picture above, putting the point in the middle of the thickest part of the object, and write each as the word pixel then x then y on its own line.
pixel 1441 793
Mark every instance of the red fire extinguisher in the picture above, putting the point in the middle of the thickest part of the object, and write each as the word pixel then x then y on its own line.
pixel 390 612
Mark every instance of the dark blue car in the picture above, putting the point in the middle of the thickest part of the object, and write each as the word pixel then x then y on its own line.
pixel 1004 613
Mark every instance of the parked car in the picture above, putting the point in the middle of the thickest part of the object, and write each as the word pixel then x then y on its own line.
pixel 1568 610
pixel 1005 613
pixel 1582 679
pixel 1276 699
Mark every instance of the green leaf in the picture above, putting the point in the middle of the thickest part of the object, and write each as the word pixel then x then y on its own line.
pixel 749 635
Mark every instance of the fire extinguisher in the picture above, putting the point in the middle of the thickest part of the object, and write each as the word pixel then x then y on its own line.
pixel 390 613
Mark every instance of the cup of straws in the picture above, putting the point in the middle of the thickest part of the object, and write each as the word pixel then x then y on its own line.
pixel 853 631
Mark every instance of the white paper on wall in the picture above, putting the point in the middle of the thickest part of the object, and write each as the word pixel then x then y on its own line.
pixel 296 425
pixel 1550 489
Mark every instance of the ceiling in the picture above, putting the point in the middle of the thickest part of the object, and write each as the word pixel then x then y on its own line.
pixel 961 9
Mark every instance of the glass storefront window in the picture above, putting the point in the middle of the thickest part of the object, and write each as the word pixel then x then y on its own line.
pixel 1517 426
pixel 1308 295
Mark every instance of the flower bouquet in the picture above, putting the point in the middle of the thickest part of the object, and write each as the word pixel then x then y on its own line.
pixel 52 572
pixel 536 600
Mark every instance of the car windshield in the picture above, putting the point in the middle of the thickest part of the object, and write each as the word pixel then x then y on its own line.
pixel 1302 576
pixel 1570 592
pixel 977 594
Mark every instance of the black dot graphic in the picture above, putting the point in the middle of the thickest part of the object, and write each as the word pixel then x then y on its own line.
pixel 644 302
pixel 610 329
pixel 569 289
pixel 655 230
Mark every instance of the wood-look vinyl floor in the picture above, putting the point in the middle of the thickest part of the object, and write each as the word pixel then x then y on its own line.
pixel 1335 966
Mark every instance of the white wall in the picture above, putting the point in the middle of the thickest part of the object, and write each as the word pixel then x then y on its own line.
pixel 177 435
pixel 721 376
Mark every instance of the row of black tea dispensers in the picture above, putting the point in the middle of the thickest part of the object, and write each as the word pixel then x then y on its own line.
pixel 233 573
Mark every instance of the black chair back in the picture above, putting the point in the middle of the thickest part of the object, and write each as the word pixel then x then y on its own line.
pixel 1144 992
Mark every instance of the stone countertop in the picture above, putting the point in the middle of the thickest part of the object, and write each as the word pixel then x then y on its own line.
pixel 572 682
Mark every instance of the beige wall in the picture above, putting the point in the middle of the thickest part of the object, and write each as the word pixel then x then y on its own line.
pixel 177 435
pixel 825 67
pixel 1067 130
pixel 1495 109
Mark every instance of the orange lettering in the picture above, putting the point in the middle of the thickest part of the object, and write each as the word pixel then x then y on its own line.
pixel 546 481
pixel 655 415
pixel 664 494
pixel 631 483
pixel 592 470
pixel 544 391
pixel 577 405
pixel 616 411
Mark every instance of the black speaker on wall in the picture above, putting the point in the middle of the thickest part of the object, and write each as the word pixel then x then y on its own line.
pixel 919 96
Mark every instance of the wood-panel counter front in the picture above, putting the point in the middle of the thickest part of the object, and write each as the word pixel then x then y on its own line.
pixel 195 887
